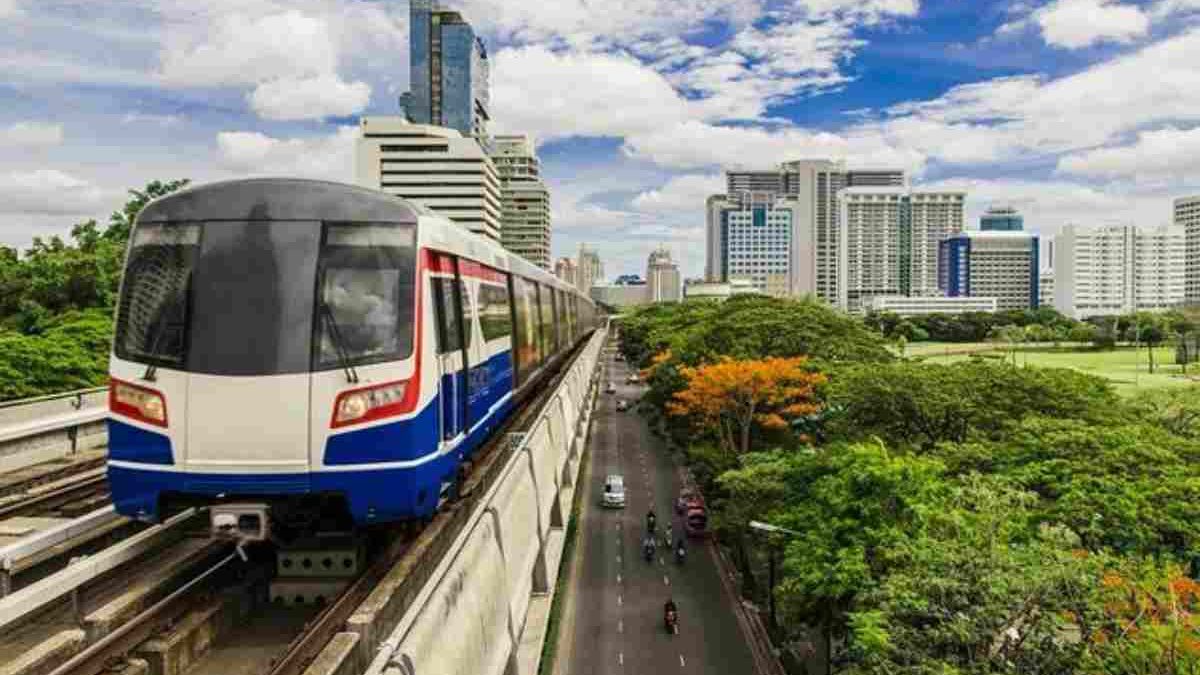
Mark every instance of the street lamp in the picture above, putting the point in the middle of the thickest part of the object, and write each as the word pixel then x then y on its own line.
pixel 771 529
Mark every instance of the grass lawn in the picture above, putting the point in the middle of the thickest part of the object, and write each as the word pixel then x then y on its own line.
pixel 1127 369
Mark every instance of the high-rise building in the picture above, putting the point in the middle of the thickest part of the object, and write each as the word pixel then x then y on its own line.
pixel 432 166
pixel 888 241
pixel 525 219
pixel 1046 288
pixel 1117 269
pixel 813 186
pixel 764 242
pixel 1000 264
pixel 590 270
pixel 662 277
pixel 1187 216
pixel 567 270
pixel 448 72
pixel 1002 219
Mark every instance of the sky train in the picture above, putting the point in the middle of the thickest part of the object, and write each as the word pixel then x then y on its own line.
pixel 310 352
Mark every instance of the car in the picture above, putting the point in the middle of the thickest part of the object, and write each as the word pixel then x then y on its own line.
pixel 620 357
pixel 632 379
pixel 622 405
pixel 612 388
pixel 614 491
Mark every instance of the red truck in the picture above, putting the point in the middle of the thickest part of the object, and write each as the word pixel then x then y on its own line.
pixel 690 506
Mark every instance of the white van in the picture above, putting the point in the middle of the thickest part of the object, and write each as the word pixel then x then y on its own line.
pixel 614 492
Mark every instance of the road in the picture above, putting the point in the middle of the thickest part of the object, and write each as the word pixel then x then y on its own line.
pixel 614 617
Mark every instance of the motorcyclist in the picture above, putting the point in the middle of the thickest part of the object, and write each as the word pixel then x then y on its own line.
pixel 680 550
pixel 670 614
pixel 667 538
pixel 650 520
pixel 648 547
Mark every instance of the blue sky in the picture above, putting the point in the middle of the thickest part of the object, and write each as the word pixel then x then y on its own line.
pixel 1081 111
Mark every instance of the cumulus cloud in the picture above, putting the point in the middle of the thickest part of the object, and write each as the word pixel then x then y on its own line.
pixel 309 97
pixel 50 192
pixel 555 95
pixel 290 58
pixel 1155 156
pixel 31 134
pixel 8 8
pixel 685 192
pixel 1073 24
pixel 251 153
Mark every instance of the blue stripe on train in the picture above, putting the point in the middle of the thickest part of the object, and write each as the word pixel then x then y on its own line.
pixel 131 444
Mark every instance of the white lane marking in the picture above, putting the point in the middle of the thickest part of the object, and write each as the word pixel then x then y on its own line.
pixel 666 580
pixel 618 558
pixel 618 577
pixel 621 658
pixel 662 562
pixel 620 626
pixel 619 602
pixel 682 663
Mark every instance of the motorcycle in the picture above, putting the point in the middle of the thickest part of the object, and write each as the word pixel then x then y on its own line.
pixel 671 621
pixel 648 550
pixel 680 554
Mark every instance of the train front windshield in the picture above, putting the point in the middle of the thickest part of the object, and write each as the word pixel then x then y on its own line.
pixel 267 297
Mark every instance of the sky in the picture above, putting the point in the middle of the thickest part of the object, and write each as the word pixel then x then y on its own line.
pixel 1074 111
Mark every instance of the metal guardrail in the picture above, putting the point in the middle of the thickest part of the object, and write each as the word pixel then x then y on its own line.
pixel 13 555
pixel 44 428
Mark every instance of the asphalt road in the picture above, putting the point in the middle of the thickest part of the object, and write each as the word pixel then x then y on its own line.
pixel 614 621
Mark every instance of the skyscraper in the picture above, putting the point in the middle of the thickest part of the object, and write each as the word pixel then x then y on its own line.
pixel 662 277
pixel 888 241
pixel 1001 219
pixel 760 237
pixel 591 270
pixel 813 185
pixel 525 221
pixel 992 264
pixel 1187 216
pixel 432 166
pixel 448 72
pixel 1117 269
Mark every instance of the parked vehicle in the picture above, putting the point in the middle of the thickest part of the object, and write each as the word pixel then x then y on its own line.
pixel 622 405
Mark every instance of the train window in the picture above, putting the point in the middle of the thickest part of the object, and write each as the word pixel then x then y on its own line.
pixel 467 302
pixel 526 348
pixel 152 323
pixel 365 298
pixel 560 314
pixel 546 320
pixel 495 317
pixel 448 312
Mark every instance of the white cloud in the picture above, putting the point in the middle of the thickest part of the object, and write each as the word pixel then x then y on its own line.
pixel 50 192
pixel 1029 116
pixel 1159 155
pixel 697 144
pixel 290 57
pixel 683 193
pixel 308 98
pixel 151 118
pixel 8 8
pixel 1049 204
pixel 31 134
pixel 555 95
pixel 868 10
pixel 251 153
pixel 1074 24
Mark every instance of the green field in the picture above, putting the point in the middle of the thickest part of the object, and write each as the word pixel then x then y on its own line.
pixel 1127 368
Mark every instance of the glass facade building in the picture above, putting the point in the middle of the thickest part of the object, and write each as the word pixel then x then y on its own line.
pixel 448 72
pixel 1002 220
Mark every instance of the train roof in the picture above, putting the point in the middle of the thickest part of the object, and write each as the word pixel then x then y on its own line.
pixel 279 199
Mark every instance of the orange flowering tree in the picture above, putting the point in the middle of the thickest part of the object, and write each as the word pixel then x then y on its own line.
pixel 1150 623
pixel 729 397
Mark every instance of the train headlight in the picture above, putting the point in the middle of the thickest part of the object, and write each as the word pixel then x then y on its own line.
pixel 140 403
pixel 372 403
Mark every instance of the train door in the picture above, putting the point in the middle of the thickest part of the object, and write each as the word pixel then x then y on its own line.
pixel 452 332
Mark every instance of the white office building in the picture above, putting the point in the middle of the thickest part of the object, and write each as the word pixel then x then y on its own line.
pixel 589 269
pixel 525 216
pixel 432 166
pixel 567 270
pixel 889 240
pixel 1046 288
pixel 761 238
pixel 662 277
pixel 1117 269
pixel 930 304
pixel 813 185
pixel 1187 216
pixel 1001 264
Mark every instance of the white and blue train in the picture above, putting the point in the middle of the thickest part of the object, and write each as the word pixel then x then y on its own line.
pixel 320 352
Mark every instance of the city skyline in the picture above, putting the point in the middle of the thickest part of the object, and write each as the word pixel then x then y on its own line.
pixel 1034 105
